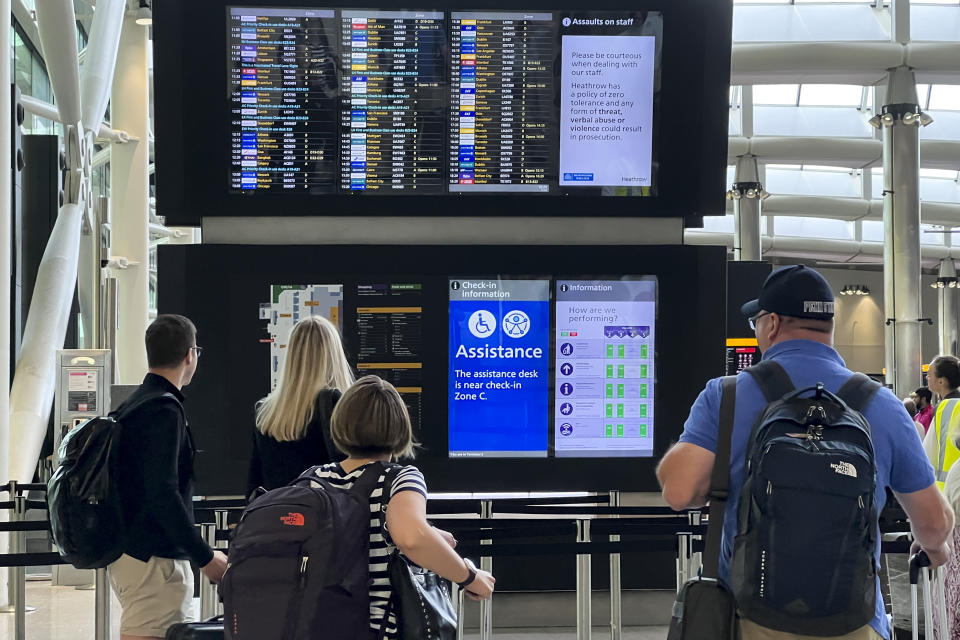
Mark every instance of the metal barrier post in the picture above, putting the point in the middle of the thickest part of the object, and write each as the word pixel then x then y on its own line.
pixel 486 564
pixel 220 516
pixel 19 585
pixel 101 616
pixel 695 518
pixel 616 612
pixel 208 593
pixel 584 586
pixel 684 548
pixel 458 602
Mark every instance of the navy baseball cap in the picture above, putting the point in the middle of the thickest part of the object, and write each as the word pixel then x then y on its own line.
pixel 796 291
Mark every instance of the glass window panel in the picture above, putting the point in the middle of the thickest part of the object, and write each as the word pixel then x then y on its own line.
pixel 834 1
pixel 923 94
pixel 872 230
pixel 945 96
pixel 813 183
pixel 953 2
pixel 812 227
pixel 932 234
pixel 950 174
pixel 775 93
pixel 23 65
pixel 831 95
pixel 761 1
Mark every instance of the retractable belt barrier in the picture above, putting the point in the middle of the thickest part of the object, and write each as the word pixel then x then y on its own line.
pixel 582 526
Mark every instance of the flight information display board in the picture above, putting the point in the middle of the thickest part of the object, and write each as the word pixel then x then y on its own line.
pixel 434 102
pixel 542 367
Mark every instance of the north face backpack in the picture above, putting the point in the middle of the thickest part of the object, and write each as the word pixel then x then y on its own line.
pixel 299 562
pixel 86 515
pixel 803 559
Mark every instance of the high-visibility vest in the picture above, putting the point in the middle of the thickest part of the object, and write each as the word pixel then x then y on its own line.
pixel 946 420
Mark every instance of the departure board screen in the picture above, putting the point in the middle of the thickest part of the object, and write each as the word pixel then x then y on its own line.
pixel 439 102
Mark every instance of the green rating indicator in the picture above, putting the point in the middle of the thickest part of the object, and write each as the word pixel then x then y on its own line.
pixel 619 410
pixel 620 390
pixel 610 390
pixel 643 371
pixel 609 350
pixel 609 410
pixel 643 351
pixel 620 351
pixel 619 430
pixel 620 371
pixel 643 431
pixel 609 370
pixel 643 410
pixel 609 430
pixel 643 391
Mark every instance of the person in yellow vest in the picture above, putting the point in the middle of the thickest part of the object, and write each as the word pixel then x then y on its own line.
pixel 942 438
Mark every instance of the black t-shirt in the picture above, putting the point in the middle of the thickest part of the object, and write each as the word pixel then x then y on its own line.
pixel 276 464
pixel 156 476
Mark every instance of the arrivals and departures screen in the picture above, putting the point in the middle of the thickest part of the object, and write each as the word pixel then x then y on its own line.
pixel 543 367
pixel 374 102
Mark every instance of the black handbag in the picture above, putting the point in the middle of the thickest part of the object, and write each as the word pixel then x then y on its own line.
pixel 421 600
pixel 705 608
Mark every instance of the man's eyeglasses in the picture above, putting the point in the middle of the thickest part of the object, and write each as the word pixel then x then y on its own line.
pixel 198 350
pixel 753 321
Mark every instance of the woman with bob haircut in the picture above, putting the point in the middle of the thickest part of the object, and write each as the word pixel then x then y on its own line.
pixel 371 425
pixel 292 430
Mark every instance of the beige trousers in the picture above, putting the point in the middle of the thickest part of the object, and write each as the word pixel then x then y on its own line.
pixel 753 631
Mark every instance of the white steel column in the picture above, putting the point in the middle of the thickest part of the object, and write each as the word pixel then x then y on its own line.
pixel 947 307
pixel 899 120
pixel 6 259
pixel 129 190
pixel 746 194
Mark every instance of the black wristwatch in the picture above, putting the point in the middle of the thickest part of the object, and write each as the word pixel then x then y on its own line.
pixel 471 577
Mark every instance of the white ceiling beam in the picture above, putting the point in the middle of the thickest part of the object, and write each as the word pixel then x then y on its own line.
pixel 837 152
pixel 851 209
pixel 56 21
pixel 863 63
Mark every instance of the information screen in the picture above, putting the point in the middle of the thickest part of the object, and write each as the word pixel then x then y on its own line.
pixel 354 101
pixel 542 367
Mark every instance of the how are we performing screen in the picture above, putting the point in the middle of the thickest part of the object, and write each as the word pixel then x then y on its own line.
pixel 551 367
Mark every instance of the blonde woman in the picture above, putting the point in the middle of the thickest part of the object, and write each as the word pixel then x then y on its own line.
pixel 293 422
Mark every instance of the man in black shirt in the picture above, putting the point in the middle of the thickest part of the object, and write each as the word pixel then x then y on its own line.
pixel 153 579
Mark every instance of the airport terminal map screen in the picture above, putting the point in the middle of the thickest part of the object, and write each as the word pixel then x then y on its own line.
pixel 393 102
pixel 551 367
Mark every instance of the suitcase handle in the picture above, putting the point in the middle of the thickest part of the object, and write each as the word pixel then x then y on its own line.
pixel 918 561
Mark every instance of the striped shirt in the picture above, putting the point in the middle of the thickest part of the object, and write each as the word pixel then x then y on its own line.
pixel 407 479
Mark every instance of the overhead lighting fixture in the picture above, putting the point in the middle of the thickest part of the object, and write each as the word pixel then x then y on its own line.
pixel 144 14
pixel 887 119
pixel 910 118
pixel 874 122
pixel 925 119
pixel 945 282
pixel 855 290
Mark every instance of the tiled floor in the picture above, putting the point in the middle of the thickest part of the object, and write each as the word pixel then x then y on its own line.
pixel 65 613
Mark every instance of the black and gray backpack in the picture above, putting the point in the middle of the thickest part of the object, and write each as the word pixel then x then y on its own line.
pixel 803 559
pixel 299 562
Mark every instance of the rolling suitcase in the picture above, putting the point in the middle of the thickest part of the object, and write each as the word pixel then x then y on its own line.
pixel 210 630
pixel 935 622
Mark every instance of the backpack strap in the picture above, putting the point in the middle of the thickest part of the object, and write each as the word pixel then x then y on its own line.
pixel 772 379
pixel 123 411
pixel 858 391
pixel 720 477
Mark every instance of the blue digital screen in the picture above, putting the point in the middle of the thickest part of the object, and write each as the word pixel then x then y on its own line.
pixel 499 359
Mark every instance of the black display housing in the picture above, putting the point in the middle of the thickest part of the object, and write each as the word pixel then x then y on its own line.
pixel 192 118
pixel 220 287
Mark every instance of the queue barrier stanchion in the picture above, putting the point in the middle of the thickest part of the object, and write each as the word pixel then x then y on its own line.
pixel 696 555
pixel 208 593
pixel 221 517
pixel 19 585
pixel 486 564
pixel 101 615
pixel 616 612
pixel 584 585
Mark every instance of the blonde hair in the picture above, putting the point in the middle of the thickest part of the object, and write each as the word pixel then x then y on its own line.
pixel 315 361
pixel 371 420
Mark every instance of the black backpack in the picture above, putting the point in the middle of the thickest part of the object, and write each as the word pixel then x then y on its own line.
pixel 86 514
pixel 803 559
pixel 299 562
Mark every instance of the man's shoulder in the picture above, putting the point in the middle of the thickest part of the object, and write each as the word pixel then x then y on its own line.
pixel 149 402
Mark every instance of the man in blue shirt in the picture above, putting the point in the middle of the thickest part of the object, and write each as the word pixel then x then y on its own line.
pixel 793 321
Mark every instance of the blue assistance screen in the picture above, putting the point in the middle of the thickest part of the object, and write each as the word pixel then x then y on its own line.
pixel 499 363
